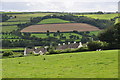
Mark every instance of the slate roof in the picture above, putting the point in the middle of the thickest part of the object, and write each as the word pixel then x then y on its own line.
pixel 29 50
pixel 40 49
pixel 66 46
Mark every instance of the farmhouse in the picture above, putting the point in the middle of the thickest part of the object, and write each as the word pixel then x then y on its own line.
pixel 69 46
pixel 35 50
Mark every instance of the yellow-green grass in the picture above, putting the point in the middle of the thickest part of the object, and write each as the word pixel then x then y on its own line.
pixel 12 49
pixel 53 20
pixel 32 15
pixel 93 64
pixel 9 28
pixel 12 39
pixel 44 35
pixel 11 23
pixel 26 17
pixel 95 32
pixel 100 16
pixel 8 36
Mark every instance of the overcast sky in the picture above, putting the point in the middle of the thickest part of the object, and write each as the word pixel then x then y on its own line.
pixel 60 5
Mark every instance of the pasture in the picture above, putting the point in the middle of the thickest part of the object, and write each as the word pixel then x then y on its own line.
pixel 53 20
pixel 11 24
pixel 67 27
pixel 93 64
pixel 9 28
pixel 100 16
pixel 44 35
pixel 11 49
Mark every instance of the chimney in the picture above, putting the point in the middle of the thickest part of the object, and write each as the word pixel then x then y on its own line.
pixel 35 47
pixel 74 42
pixel 46 47
pixel 68 42
pixel 59 44
pixel 80 45
pixel 63 43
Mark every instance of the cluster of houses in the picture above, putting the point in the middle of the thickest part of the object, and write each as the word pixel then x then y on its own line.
pixel 63 46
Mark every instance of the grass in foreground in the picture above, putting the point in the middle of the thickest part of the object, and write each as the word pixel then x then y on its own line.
pixel 94 64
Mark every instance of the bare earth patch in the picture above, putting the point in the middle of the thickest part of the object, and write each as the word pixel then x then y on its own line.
pixel 67 27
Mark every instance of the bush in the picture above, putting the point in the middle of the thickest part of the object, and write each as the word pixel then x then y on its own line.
pixel 82 49
pixel 54 51
pixel 94 45
pixel 36 54
pixel 8 53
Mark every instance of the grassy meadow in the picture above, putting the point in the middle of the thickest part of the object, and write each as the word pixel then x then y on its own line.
pixel 12 49
pixel 93 64
pixel 53 20
pixel 44 35
pixel 100 16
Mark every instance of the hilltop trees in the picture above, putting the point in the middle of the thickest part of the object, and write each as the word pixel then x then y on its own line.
pixel 4 17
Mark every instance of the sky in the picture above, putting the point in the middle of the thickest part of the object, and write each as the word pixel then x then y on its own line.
pixel 59 5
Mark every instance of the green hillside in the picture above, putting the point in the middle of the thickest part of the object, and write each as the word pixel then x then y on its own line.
pixel 11 24
pixel 94 64
pixel 53 20
pixel 100 16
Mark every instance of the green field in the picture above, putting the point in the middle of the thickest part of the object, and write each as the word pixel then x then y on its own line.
pixel 94 32
pixel 9 36
pixel 100 16
pixel 94 64
pixel 11 24
pixel 12 49
pixel 43 35
pixel 9 28
pixel 53 20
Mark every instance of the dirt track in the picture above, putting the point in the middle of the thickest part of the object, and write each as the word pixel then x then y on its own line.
pixel 61 27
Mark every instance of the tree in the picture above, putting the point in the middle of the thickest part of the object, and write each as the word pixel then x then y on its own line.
pixel 94 45
pixel 48 33
pixel 84 39
pixel 111 35
pixel 8 53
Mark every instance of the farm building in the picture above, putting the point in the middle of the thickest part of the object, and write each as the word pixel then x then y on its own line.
pixel 35 50
pixel 69 46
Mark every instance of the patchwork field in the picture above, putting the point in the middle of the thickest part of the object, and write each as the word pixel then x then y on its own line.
pixel 94 64
pixel 67 27
pixel 11 24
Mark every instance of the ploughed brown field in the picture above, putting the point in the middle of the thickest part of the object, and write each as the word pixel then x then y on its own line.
pixel 66 27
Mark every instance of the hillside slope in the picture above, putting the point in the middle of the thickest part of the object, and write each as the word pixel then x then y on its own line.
pixel 94 64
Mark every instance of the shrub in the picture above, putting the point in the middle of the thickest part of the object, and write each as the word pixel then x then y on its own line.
pixel 8 53
pixel 94 45
pixel 54 51
pixel 36 54
pixel 82 49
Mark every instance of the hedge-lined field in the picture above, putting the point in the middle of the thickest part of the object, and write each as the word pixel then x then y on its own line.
pixel 100 16
pixel 12 49
pixel 11 24
pixel 44 35
pixel 94 64
pixel 53 20
pixel 9 28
